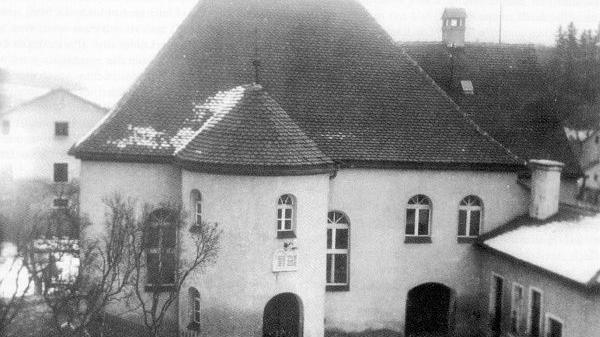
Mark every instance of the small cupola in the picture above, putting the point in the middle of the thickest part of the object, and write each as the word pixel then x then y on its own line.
pixel 453 27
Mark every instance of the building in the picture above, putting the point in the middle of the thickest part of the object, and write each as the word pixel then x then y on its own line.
pixel 590 161
pixel 540 271
pixel 350 187
pixel 501 88
pixel 36 135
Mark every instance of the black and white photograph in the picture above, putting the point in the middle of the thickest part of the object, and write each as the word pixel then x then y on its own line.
pixel 299 168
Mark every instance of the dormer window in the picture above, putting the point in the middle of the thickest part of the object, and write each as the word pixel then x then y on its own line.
pixel 467 87
pixel 286 217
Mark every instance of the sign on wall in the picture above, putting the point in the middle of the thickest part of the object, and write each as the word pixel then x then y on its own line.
pixel 285 260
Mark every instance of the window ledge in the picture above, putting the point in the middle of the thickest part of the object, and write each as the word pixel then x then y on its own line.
pixel 417 239
pixel 286 235
pixel 159 288
pixel 466 239
pixel 194 326
pixel 345 287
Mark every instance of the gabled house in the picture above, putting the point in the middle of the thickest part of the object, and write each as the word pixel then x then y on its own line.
pixel 302 124
pixel 501 88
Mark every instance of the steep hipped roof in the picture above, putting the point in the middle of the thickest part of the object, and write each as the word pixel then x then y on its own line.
pixel 507 82
pixel 566 244
pixel 245 130
pixel 330 67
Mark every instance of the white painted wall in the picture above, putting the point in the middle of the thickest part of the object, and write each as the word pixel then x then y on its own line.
pixel 235 291
pixel 383 268
pixel 31 147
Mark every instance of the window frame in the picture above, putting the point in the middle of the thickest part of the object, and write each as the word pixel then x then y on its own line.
pixel 56 203
pixel 159 251
pixel 57 177
pixel 196 201
pixel 492 296
pixel 555 318
pixel 529 311
pixel 334 226
pixel 468 209
pixel 281 217
pixel 194 309
pixel 415 237
pixel 61 129
pixel 520 316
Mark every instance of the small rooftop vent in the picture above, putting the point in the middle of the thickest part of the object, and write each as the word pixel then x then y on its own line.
pixel 467 87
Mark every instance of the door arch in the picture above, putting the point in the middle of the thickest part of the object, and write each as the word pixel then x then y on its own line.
pixel 430 309
pixel 282 316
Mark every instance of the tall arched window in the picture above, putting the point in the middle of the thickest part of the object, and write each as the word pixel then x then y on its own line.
pixel 286 216
pixel 418 216
pixel 470 213
pixel 338 244
pixel 196 200
pixel 160 241
pixel 194 309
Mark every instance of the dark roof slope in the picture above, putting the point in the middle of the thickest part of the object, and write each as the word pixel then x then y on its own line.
pixel 507 83
pixel 243 129
pixel 329 65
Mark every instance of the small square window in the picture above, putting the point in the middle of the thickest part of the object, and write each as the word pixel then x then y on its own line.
pixel 5 127
pixel 61 129
pixel 60 203
pixel 467 87
pixel 61 172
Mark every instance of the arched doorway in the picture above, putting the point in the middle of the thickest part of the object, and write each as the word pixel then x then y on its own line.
pixel 430 311
pixel 283 316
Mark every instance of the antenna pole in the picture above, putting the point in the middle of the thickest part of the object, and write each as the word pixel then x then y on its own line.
pixel 500 28
pixel 256 61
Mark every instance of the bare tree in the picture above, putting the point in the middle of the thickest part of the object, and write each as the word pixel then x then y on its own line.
pixel 163 262
pixel 103 266
pixel 15 284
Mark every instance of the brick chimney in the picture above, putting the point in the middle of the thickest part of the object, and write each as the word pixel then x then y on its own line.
pixel 545 188
pixel 453 27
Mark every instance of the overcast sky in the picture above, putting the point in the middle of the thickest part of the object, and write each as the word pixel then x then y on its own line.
pixel 100 46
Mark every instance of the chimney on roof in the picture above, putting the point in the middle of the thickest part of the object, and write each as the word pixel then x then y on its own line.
pixel 453 27
pixel 545 188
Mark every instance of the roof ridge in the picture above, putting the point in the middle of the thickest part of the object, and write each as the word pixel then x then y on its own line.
pixel 457 108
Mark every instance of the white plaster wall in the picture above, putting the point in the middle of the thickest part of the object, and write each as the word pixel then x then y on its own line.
pixel 144 183
pixel 579 310
pixel 235 291
pixel 31 148
pixel 383 268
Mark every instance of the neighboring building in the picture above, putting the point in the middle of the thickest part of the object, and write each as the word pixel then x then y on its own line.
pixel 348 185
pixel 540 272
pixel 500 87
pixel 590 160
pixel 35 136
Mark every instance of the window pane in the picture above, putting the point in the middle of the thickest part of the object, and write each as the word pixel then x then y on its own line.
pixel 341 238
pixel 279 212
pixel 168 268
pixel 341 267
pixel 329 263
pixel 329 238
pixel 288 224
pixel 288 213
pixel 152 235
pixel 279 224
pixel 462 222
pixel 152 268
pixel 198 219
pixel 169 236
pixel 410 221
pixel 423 221
pixel 475 220
pixel 555 328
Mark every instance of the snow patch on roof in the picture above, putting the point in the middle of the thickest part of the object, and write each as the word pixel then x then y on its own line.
pixel 145 136
pixel 568 248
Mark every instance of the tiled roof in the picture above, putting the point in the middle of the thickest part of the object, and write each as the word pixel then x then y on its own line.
pixel 565 244
pixel 244 127
pixel 507 82
pixel 328 64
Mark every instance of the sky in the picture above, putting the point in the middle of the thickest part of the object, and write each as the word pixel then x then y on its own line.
pixel 98 48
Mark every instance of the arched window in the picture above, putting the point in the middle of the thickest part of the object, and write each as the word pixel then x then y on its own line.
pixel 196 201
pixel 194 309
pixel 418 216
pixel 286 216
pixel 338 244
pixel 160 241
pixel 470 213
